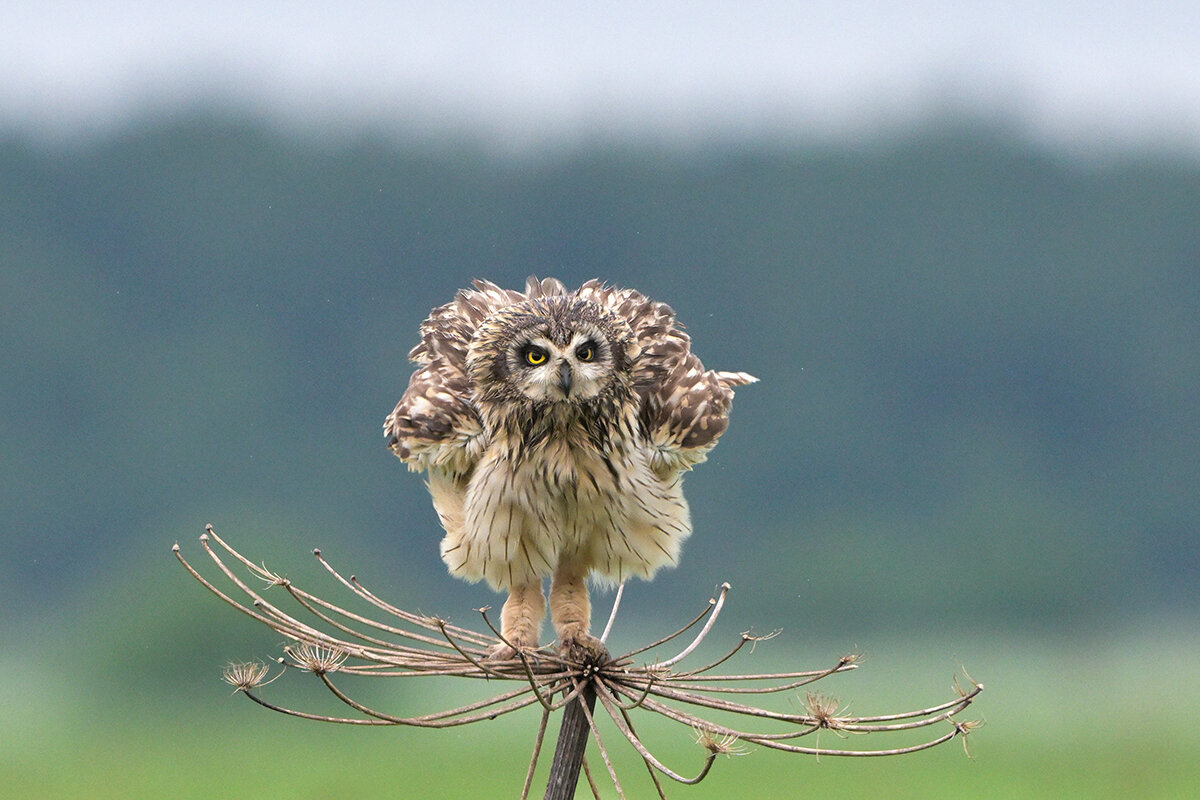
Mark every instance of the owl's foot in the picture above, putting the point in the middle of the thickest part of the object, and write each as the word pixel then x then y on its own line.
pixel 520 622
pixel 504 652
pixel 570 609
pixel 583 648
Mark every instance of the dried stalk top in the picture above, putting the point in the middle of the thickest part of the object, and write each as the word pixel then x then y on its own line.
pixel 328 640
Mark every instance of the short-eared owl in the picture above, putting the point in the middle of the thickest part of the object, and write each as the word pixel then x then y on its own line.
pixel 555 427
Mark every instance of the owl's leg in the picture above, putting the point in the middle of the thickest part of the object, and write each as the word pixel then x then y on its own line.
pixel 571 613
pixel 520 620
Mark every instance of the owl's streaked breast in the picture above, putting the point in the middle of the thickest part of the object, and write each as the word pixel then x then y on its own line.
pixel 565 497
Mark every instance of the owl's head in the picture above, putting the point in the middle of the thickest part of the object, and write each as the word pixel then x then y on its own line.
pixel 558 349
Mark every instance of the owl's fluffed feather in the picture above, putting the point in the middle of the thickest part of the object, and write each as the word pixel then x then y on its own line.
pixel 555 426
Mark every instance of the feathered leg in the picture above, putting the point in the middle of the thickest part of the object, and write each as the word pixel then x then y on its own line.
pixel 521 620
pixel 571 613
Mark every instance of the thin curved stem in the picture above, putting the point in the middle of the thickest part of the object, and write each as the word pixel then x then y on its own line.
pixel 612 616
pixel 419 620
pixel 768 676
pixel 474 661
pixel 537 751
pixel 212 588
pixel 315 717
pixel 712 618
pixel 440 719
pixel 645 693
pixel 671 636
pixel 821 751
pixel 964 701
pixel 613 709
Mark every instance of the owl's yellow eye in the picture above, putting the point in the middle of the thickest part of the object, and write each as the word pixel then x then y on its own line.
pixel 586 352
pixel 535 356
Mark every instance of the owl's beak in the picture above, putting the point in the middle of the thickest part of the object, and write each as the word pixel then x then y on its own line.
pixel 564 378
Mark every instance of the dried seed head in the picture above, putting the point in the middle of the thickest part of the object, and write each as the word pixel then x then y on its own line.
pixel 272 578
pixel 964 730
pixel 959 688
pixel 246 675
pixel 823 709
pixel 754 640
pixel 656 671
pixel 726 745
pixel 317 658
pixel 646 686
pixel 967 726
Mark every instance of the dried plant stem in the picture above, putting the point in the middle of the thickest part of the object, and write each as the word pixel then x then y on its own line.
pixel 572 742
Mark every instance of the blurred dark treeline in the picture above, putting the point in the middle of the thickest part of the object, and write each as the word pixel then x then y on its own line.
pixel 979 360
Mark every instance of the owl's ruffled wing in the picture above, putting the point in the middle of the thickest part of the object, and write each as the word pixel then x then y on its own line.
pixel 447 332
pixel 684 407
pixel 435 424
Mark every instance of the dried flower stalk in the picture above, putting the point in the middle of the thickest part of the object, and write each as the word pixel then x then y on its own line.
pixel 329 641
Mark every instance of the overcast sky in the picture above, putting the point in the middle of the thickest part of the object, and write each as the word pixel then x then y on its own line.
pixel 1102 72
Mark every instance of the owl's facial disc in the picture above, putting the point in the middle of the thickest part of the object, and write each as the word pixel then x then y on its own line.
pixel 568 371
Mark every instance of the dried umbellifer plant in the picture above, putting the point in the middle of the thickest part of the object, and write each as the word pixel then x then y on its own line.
pixel 330 641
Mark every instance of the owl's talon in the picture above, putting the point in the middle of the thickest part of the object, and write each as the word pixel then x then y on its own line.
pixel 583 648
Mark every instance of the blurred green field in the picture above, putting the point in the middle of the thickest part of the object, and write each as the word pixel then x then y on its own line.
pixel 1096 717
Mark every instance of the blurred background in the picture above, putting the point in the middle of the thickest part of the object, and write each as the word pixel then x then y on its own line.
pixel 959 243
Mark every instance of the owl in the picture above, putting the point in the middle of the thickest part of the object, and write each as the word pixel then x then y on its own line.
pixel 555 427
